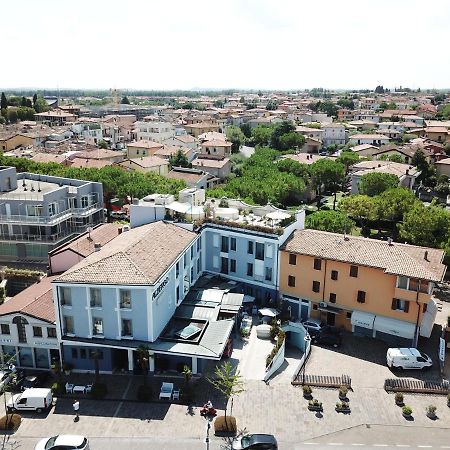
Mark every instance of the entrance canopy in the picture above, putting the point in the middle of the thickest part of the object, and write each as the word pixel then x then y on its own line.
pixel 269 312
pixel 394 327
pixel 363 319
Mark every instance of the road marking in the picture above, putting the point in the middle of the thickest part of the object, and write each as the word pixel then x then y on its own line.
pixel 335 443
pixel 380 445
pixel 402 445
pixel 424 446
pixel 355 445
pixel 308 443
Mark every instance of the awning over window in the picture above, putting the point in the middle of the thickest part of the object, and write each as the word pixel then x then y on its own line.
pixel 363 319
pixel 394 327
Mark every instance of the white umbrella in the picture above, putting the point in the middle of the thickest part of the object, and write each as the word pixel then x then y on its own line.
pixel 278 215
pixel 269 312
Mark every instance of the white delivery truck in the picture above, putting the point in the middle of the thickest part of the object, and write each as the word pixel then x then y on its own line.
pixel 407 358
pixel 34 399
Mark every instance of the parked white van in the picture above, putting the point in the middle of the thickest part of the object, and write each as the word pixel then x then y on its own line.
pixel 407 358
pixel 34 399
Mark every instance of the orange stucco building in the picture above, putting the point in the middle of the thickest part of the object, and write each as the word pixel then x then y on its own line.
pixel 370 287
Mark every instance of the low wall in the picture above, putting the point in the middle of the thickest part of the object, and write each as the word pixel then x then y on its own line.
pixel 276 363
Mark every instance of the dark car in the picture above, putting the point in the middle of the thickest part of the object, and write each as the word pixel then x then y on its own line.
pixel 329 329
pixel 255 442
pixel 331 339
pixel 31 380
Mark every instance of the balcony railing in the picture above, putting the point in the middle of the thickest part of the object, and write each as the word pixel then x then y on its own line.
pixel 44 237
pixel 50 220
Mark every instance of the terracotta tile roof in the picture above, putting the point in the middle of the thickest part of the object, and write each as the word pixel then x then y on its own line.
pixel 209 162
pixel 169 150
pixel 49 157
pixel 84 244
pixel 216 143
pixel 84 163
pixel 145 162
pixel 395 168
pixel 36 301
pixel 100 153
pixel 144 143
pixel 396 259
pixel 189 177
pixel 368 136
pixel 136 257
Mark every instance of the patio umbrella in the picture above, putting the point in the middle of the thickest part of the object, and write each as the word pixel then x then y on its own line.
pixel 278 215
pixel 269 312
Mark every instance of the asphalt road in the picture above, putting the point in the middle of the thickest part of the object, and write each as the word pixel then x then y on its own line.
pixel 362 437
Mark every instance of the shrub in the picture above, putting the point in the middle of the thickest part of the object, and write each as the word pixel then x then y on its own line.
pixel 398 397
pixel 315 403
pixel 307 390
pixel 99 391
pixel 10 422
pixel 222 426
pixel 343 390
pixel 431 410
pixel 342 405
pixel 245 333
pixel 144 393
pixel 57 388
pixel 407 410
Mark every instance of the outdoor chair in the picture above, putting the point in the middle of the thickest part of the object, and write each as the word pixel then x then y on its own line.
pixel 166 391
pixel 69 388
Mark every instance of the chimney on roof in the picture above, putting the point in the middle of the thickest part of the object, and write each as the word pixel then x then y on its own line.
pixel 425 257
pixel 97 246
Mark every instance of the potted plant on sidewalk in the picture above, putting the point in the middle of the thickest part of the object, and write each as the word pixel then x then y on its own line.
pixel 343 391
pixel 407 412
pixel 431 412
pixel 399 399
pixel 307 391
pixel 343 407
pixel 315 405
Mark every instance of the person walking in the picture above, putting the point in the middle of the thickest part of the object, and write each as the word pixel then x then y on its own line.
pixel 76 408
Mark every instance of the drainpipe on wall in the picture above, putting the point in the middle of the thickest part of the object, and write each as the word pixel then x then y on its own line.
pixel 416 330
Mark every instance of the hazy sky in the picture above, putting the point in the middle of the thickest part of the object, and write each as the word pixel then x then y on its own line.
pixel 259 44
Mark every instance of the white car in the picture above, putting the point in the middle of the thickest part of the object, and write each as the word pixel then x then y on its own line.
pixel 63 441
pixel 313 326
pixel 5 378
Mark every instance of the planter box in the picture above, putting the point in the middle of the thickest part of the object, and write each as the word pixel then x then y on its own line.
pixel 407 416
pixel 343 410
pixel 316 408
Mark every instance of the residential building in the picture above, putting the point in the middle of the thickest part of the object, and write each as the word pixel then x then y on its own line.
pixel 89 130
pixel 219 167
pixel 55 117
pixel 146 164
pixel 196 129
pixel 216 147
pixel 407 175
pixel 142 148
pixel 371 139
pixel 39 212
pixel 244 248
pixel 193 177
pixel 333 134
pixel 370 287
pixel 28 331
pixel 443 167
pixel 130 293
pixel 154 131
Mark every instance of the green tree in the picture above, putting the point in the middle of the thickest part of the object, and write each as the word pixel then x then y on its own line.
pixel 292 140
pixel 327 174
pixel 12 115
pixel 428 226
pixel 348 159
pixel 236 137
pixel 374 183
pixel 332 221
pixel 294 167
pixel 246 129
pixel 228 382
pixel 446 112
pixel 103 144
pixel 379 90
pixel 346 103
pixel 362 208
pixel 41 105
pixel 179 159
pixel 281 128
pixel 427 171
pixel 261 135
pixel 392 204
pixel 393 158
pixel 35 96
pixel 25 113
pixel 329 108
pixel 125 100
pixel 3 103
pixel 143 360
pixel 315 125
